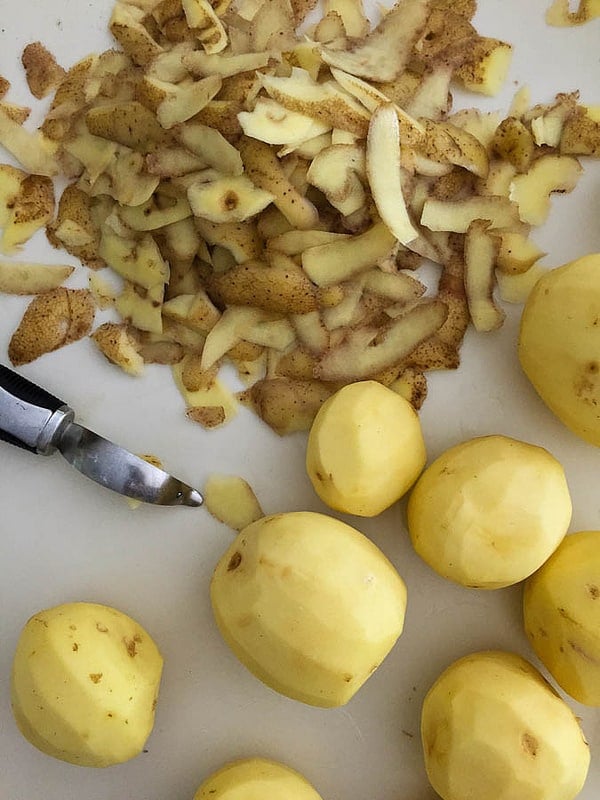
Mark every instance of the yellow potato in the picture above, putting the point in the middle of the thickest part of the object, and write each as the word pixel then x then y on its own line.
pixel 365 449
pixel 488 512
pixel 85 683
pixel 493 728
pixel 559 344
pixel 254 778
pixel 561 606
pixel 309 605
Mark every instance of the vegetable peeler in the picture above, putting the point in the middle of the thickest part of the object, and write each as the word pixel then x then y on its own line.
pixel 32 418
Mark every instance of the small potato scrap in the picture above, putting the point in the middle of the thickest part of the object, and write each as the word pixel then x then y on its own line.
pixel 384 53
pixel 212 147
pixel 136 260
pixel 201 64
pixel 128 123
pixel 230 499
pixel 117 343
pixel 486 67
pixel 28 211
pixel 281 287
pixel 264 169
pixel 127 28
pixel 336 261
pixel 205 25
pixel 531 191
pixel 287 405
pixel 480 260
pixel 560 15
pixel 209 403
pixel 182 102
pixel 19 114
pixel 271 122
pixel 52 320
pixel 580 134
pixel 141 306
pixel 324 101
pixel 516 253
pixel 339 172
pixel 33 151
pixel 22 277
pixel 11 179
pixel 384 172
pixel 74 229
pixel 514 143
pixel 195 311
pixel 227 199
pixel 42 72
pixel 411 384
pixel 517 287
pixel 366 351
pixel 457 215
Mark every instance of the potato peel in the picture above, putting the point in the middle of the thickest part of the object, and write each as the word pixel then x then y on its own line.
pixel 385 175
pixel 560 15
pixel 51 321
pixel 21 277
pixel 384 53
pixel 231 500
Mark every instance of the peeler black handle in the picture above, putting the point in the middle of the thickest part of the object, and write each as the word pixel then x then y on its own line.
pixel 26 412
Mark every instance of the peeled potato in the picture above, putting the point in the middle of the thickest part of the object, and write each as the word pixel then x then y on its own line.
pixel 253 778
pixel 309 605
pixel 493 728
pixel 365 449
pixel 561 605
pixel 85 683
pixel 488 512
pixel 559 344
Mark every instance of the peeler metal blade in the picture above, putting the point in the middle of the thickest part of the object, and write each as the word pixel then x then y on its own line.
pixel 35 420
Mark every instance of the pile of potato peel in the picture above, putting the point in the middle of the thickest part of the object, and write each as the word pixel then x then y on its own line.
pixel 267 193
